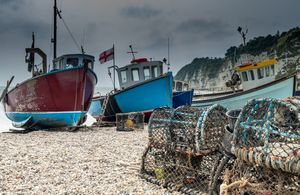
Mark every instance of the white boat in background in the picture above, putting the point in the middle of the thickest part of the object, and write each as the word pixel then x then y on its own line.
pixel 258 80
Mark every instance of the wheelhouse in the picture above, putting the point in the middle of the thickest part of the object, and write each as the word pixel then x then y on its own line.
pixel 73 61
pixel 180 85
pixel 138 71
pixel 257 74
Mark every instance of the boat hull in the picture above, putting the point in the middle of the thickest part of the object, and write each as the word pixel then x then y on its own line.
pixel 56 99
pixel 142 97
pixel 146 96
pixel 278 89
pixel 95 109
pixel 182 98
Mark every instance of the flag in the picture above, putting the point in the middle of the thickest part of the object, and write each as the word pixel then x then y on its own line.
pixel 106 55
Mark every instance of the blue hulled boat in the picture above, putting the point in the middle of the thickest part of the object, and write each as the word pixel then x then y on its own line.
pixel 144 87
pixel 147 95
pixel 95 109
pixel 182 96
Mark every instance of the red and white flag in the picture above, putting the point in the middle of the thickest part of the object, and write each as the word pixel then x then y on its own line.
pixel 106 55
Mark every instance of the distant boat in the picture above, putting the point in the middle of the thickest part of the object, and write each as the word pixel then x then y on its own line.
pixel 95 109
pixel 258 80
pixel 182 96
pixel 56 98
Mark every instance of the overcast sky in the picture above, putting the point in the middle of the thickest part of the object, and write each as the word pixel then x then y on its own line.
pixel 196 28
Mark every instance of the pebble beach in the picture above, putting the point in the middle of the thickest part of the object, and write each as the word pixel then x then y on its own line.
pixel 89 161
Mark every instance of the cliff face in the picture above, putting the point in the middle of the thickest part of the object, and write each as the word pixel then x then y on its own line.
pixel 212 73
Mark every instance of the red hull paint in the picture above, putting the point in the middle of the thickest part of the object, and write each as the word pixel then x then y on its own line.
pixel 53 92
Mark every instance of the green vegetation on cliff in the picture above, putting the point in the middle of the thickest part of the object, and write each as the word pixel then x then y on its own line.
pixel 281 43
pixel 285 44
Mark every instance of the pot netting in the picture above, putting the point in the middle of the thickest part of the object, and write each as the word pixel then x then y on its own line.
pixel 267 146
pixel 159 124
pixel 182 149
pixel 246 178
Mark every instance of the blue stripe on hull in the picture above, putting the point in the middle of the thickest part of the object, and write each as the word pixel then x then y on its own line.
pixel 282 89
pixel 146 96
pixel 46 119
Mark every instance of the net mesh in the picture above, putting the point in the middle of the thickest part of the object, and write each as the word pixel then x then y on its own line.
pixel 266 143
pixel 183 151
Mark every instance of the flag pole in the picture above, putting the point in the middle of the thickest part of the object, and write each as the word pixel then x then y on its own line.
pixel 114 67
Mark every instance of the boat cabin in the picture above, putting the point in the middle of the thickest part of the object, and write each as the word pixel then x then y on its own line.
pixel 138 71
pixel 72 61
pixel 180 85
pixel 257 74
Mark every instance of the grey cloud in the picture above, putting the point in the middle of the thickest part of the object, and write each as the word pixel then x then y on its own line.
pixel 210 29
pixel 13 4
pixel 24 27
pixel 140 12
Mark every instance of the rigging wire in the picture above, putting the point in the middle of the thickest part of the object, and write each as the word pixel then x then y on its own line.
pixel 67 27
pixel 72 36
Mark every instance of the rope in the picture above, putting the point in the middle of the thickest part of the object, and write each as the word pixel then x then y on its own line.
pixel 242 183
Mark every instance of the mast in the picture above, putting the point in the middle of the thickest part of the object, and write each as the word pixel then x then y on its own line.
pixel 132 52
pixel 168 54
pixel 54 40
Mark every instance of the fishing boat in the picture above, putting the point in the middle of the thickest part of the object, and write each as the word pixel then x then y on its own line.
pixel 143 87
pixel 56 98
pixel 258 81
pixel 95 109
pixel 182 95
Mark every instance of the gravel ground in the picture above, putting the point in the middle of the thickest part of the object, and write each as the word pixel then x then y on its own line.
pixel 98 161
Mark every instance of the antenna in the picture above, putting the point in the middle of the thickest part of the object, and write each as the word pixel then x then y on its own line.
pixel 243 34
pixel 82 49
pixel 132 52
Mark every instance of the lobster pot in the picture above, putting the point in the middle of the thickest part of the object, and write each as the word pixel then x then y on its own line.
pixel 210 129
pixel 187 173
pixel 130 121
pixel 246 178
pixel 266 143
pixel 172 158
pixel 267 133
pixel 183 129
pixel 159 125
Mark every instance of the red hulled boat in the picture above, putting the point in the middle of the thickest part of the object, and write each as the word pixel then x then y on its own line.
pixel 58 98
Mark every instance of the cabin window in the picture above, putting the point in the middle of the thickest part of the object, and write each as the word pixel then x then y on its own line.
pixel 55 65
pixel 161 69
pixel 173 85
pixel 147 73
pixel 252 75
pixel 123 76
pixel 135 74
pixel 89 62
pixel 260 73
pixel 185 87
pixel 267 71
pixel 245 76
pixel 154 71
pixel 72 62
pixel 272 70
pixel 178 86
